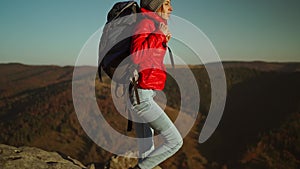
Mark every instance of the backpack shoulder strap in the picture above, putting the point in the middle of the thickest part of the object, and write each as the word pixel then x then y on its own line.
pixel 171 57
pixel 170 54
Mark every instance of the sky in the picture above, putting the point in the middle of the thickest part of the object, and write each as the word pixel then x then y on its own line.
pixel 53 32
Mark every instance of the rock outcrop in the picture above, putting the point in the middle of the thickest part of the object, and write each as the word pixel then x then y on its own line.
pixel 124 162
pixel 35 158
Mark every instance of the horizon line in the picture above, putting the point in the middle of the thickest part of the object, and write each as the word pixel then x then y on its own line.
pixel 167 65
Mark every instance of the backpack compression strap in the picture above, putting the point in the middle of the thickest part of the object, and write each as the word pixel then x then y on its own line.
pixel 133 85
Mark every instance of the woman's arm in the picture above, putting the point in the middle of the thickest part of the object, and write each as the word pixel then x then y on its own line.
pixel 146 36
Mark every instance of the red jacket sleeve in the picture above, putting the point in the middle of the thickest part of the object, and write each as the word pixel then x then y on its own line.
pixel 146 36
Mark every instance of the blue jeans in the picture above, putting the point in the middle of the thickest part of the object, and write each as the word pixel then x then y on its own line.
pixel 149 117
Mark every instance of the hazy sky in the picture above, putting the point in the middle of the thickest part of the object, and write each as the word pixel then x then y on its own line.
pixel 54 31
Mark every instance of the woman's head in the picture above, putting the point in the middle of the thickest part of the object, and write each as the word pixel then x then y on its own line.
pixel 162 7
pixel 165 9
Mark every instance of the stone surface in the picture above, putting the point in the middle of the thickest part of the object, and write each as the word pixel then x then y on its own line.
pixel 124 162
pixel 33 158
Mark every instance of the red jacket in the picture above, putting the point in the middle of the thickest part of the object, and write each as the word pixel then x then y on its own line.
pixel 148 49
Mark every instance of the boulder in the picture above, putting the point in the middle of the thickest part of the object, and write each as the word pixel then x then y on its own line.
pixel 31 158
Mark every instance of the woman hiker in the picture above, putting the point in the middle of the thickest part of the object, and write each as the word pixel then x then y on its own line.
pixel 148 48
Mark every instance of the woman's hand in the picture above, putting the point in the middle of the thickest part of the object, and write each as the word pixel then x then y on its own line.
pixel 168 36
pixel 165 30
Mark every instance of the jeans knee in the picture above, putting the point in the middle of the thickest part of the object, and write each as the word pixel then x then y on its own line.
pixel 180 143
pixel 176 143
pixel 177 146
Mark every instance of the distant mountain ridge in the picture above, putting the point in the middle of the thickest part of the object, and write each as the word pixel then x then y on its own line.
pixel 36 109
pixel 265 66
